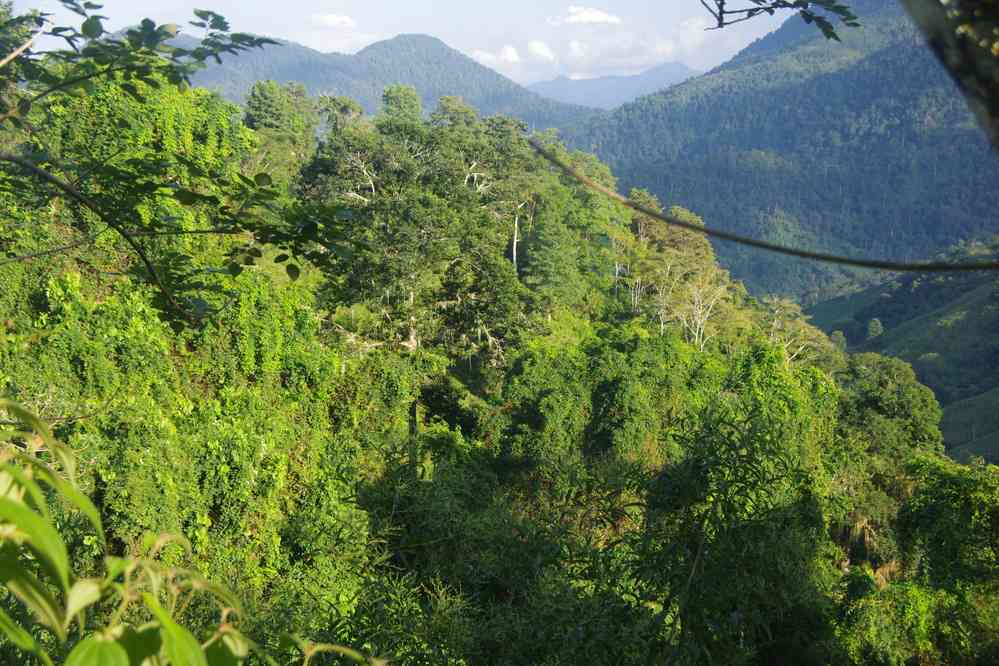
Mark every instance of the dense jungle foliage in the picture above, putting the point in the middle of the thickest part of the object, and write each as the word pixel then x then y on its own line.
pixel 405 388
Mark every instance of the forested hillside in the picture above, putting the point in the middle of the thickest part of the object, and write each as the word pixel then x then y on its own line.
pixel 860 147
pixel 610 92
pixel 406 392
pixel 426 63
pixel 947 327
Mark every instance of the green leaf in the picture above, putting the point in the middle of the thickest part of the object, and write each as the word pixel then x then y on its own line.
pixel 16 633
pixel 16 578
pixel 186 197
pixel 42 539
pixel 96 651
pixel 182 648
pixel 293 271
pixel 92 28
pixel 263 180
pixel 84 594
pixel 281 258
pixel 68 491
pixel 12 477
pixel 142 643
pixel 219 654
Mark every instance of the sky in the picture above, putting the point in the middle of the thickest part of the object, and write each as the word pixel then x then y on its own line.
pixel 527 40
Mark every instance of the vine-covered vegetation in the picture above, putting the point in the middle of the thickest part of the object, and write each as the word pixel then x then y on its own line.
pixel 409 390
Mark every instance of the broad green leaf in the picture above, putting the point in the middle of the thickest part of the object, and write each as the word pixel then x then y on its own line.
pixel 94 651
pixel 141 643
pixel 220 654
pixel 26 587
pixel 263 180
pixel 181 647
pixel 293 271
pixel 237 643
pixel 84 594
pixel 16 633
pixel 60 451
pixel 12 477
pixel 92 28
pixel 186 197
pixel 218 591
pixel 42 539
pixel 70 493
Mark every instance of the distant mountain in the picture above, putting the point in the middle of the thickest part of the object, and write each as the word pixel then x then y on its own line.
pixel 862 147
pixel 426 63
pixel 947 326
pixel 610 92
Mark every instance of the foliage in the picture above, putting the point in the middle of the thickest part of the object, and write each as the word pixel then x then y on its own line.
pixel 126 610
pixel 439 403
pixel 945 327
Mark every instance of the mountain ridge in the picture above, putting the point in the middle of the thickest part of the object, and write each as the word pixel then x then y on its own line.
pixel 863 147
pixel 422 61
pixel 609 92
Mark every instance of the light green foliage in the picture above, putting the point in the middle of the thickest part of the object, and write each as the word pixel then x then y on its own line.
pixel 438 403
pixel 126 613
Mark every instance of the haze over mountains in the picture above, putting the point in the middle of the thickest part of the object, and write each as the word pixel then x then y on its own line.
pixel 610 92
pixel 426 63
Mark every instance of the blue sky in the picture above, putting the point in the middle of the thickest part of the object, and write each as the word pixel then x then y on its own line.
pixel 528 40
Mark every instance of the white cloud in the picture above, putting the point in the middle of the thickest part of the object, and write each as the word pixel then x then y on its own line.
pixel 333 21
pixel 485 57
pixel 577 49
pixel 585 16
pixel 542 51
pixel 692 33
pixel 509 55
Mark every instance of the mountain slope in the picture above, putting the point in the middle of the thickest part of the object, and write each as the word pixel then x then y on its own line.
pixel 425 63
pixel 610 92
pixel 863 147
pixel 947 326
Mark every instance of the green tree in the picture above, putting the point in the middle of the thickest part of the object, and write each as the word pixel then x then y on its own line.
pixel 875 329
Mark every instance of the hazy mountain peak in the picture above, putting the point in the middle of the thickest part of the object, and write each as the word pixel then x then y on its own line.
pixel 609 92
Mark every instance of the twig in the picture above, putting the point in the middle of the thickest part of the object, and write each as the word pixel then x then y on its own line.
pixel 48 253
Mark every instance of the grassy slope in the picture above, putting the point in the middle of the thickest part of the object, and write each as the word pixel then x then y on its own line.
pixel 948 328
